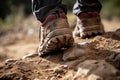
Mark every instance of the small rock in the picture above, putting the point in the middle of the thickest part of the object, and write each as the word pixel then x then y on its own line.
pixel 96 70
pixel 84 44
pixel 72 64
pixel 31 55
pixel 75 52
pixel 118 32
pixel 115 59
pixel 10 60
pixel 94 77
pixel 56 70
pixel 64 66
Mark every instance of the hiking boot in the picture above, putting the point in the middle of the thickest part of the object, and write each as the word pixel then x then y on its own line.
pixel 55 34
pixel 88 25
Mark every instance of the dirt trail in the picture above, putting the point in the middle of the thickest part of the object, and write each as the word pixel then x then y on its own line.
pixel 97 58
pixel 101 51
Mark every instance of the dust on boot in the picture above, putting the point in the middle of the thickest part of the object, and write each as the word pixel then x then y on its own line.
pixel 88 25
pixel 55 33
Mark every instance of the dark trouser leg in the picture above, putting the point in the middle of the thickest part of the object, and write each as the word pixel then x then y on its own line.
pixel 88 19
pixel 42 8
pixel 55 33
pixel 82 6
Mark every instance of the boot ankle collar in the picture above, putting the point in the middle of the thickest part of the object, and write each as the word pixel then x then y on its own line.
pixel 53 17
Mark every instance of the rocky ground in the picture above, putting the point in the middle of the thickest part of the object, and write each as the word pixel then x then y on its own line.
pixel 96 58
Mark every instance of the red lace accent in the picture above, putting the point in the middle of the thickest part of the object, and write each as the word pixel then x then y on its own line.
pixel 89 15
pixel 84 15
pixel 95 14
pixel 53 17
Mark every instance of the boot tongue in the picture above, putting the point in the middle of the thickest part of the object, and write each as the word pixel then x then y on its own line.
pixel 84 15
pixel 88 15
pixel 48 19
pixel 54 14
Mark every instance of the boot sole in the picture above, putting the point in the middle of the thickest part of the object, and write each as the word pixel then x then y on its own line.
pixel 94 31
pixel 90 32
pixel 56 40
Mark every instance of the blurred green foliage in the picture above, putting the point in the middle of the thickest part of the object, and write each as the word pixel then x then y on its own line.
pixel 8 7
pixel 111 8
pixel 4 8
pixel 12 12
pixel 69 3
